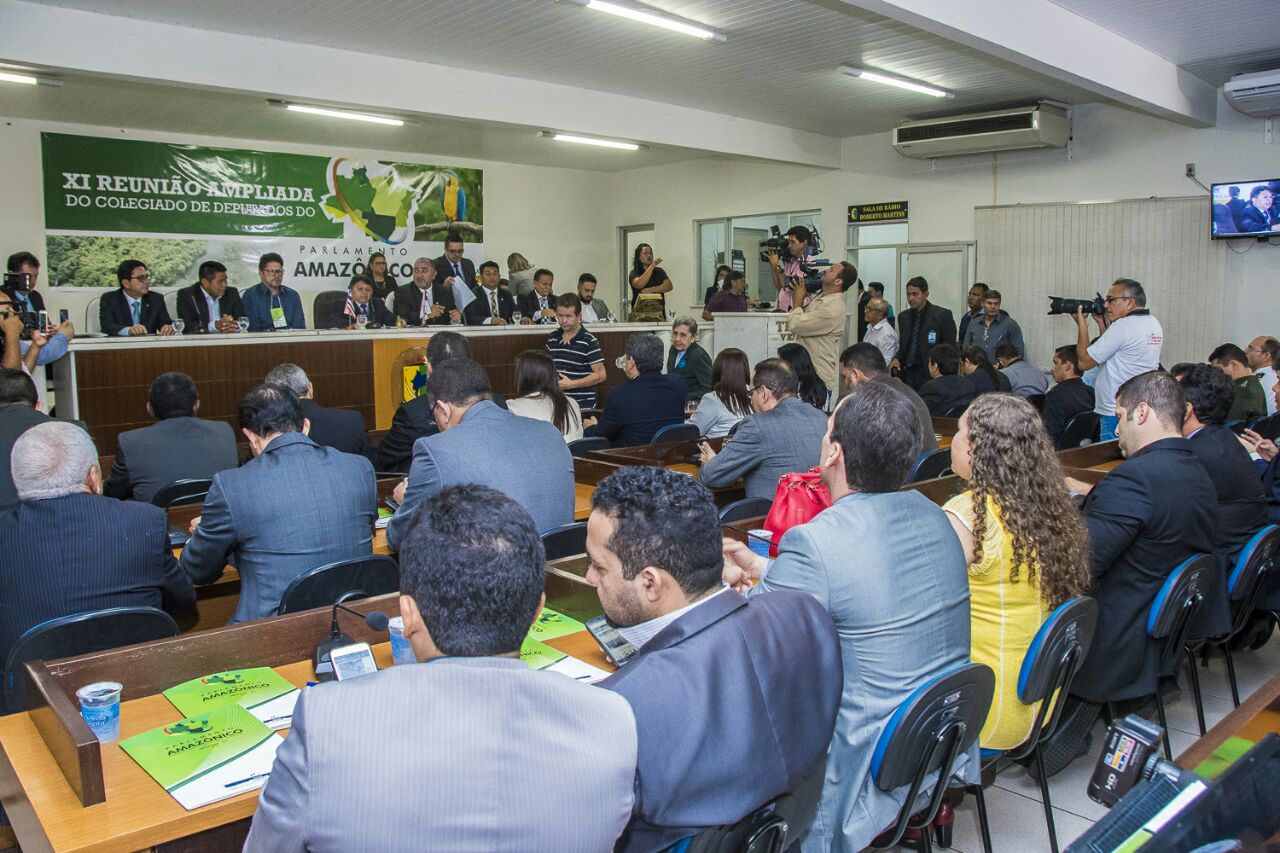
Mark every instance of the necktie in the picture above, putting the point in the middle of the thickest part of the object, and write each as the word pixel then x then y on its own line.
pixel 457 270
pixel 426 304
pixel 913 352
pixel 493 303
pixel 136 308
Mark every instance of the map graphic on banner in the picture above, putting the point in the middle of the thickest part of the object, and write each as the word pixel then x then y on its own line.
pixel 174 206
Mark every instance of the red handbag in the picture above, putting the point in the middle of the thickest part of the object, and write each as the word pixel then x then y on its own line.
pixel 801 495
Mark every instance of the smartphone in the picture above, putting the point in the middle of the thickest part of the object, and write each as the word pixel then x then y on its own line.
pixel 63 315
pixel 42 319
pixel 352 661
pixel 391 503
pixel 611 642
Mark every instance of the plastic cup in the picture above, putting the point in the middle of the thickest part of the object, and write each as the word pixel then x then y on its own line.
pixel 760 546
pixel 401 649
pixel 100 707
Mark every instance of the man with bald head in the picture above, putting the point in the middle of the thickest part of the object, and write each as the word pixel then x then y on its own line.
pixel 1262 353
pixel 880 333
pixel 424 301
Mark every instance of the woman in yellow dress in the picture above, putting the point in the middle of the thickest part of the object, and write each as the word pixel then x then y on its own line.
pixel 1026 546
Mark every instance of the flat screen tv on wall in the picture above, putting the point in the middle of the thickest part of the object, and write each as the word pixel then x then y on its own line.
pixel 1245 209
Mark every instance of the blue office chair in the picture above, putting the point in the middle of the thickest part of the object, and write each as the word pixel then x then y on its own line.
pixel 1169 619
pixel 741 510
pixel 1245 587
pixel 78 634
pixel 1048 668
pixel 935 463
pixel 926 735
pixel 581 448
pixel 359 577
pixel 1079 430
pixel 675 432
pixel 567 540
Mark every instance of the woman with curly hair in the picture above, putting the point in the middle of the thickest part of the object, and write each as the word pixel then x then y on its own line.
pixel 1024 540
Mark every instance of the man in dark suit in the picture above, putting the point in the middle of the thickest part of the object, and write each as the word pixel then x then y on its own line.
pixel 646 402
pixel 451 265
pixel 539 305
pixel 19 412
pixel 294 507
pixel 1069 396
pixel 133 309
pixel 947 389
pixel 705 655
pixel 864 296
pixel 480 311
pixel 977 293
pixel 210 305
pixel 920 328
pixel 423 302
pixel 865 363
pixel 178 446
pixel 24 295
pixel 341 429
pixel 70 550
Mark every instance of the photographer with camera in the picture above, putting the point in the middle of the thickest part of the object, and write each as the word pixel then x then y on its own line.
pixel 1124 350
pixel 788 267
pixel 819 325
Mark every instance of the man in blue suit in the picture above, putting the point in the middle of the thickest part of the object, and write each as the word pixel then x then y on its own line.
pixel 269 303
pixel 647 402
pixel 295 507
pixel 481 443
pixel 734 700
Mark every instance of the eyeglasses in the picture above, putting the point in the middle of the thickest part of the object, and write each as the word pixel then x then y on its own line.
pixel 1111 299
pixel 145 277
pixel 755 388
pixel 273 273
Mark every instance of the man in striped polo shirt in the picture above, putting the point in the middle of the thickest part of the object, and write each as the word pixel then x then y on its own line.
pixel 576 352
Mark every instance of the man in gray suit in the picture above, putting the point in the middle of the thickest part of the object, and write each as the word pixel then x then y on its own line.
pixel 593 310
pixel 784 435
pixel 296 506
pixel 457 741
pixel 865 363
pixel 900 603
pixel 481 443
pixel 179 446
pixel 19 412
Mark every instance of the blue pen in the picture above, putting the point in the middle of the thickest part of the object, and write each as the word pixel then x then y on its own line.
pixel 240 782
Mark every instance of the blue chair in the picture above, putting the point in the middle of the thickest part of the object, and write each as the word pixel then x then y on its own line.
pixel 567 540
pixel 935 463
pixel 1079 430
pixel 675 432
pixel 359 577
pixel 1172 612
pixel 1245 587
pixel 582 448
pixel 78 634
pixel 927 735
pixel 746 508
pixel 1048 668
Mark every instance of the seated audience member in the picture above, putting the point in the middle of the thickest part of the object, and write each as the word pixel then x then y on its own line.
pixel 575 352
pixel 729 400
pixel 593 310
pixel 269 304
pixel 210 305
pixel 885 595
pixel 132 309
pixel 705 655
pixel 178 446
pixel 688 359
pixel 1069 396
pixel 1024 541
pixel 946 391
pixel 1025 379
pixel 538 395
pixel 978 369
pixel 481 443
pixel 1248 401
pixel 812 389
pixel 70 550
pixel 19 412
pixel 646 402
pixel 360 303
pixel 1263 351
pixel 424 301
pixel 863 362
pixel 880 332
pixel 493 305
pixel 1261 444
pixel 1145 518
pixel 341 429
pixel 784 435
pixel 487 714
pixel 993 329
pixel 717 283
pixel 539 305
pixel 294 507
pixel 732 296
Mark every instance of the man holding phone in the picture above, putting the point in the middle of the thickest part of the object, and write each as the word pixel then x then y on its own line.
pixel 49 342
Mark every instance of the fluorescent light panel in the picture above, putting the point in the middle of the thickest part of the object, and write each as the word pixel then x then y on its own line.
pixel 653 17
pixel 25 79
pixel 895 81
pixel 347 114
pixel 588 140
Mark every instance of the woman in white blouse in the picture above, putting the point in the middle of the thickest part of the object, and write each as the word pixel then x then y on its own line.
pixel 729 399
pixel 538 395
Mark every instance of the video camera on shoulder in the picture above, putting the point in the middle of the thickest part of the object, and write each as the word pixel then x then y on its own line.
pixel 810 264
pixel 1065 305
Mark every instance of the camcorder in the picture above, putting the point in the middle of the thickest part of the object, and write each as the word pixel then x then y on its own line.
pixel 20 282
pixel 1130 754
pixel 1064 305
pixel 810 266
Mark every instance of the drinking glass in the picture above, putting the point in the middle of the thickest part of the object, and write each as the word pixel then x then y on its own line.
pixel 243 323
pixel 179 325
pixel 362 320
pixel 516 317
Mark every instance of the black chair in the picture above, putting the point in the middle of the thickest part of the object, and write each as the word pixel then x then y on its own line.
pixel 733 430
pixel 1172 612
pixel 1048 668
pixel 1253 424
pixel 955 411
pixel 583 446
pixel 359 577
pixel 326 309
pixel 927 734
pixel 1036 400
pixel 772 828
pixel 676 432
pixel 182 492
pixel 746 508
pixel 935 463
pixel 1079 430
pixel 567 540
pixel 1237 426
pixel 78 634
pixel 1245 588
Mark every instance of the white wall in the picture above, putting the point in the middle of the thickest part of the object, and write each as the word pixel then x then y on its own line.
pixel 557 218
pixel 1117 154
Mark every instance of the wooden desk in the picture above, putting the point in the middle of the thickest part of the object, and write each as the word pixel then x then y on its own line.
pixel 1257 715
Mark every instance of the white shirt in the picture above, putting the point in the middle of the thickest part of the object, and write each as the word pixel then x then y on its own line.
pixel 884 338
pixel 425 311
pixel 1268 377
pixel 589 312
pixel 638 635
pixel 214 313
pixel 539 407
pixel 1129 346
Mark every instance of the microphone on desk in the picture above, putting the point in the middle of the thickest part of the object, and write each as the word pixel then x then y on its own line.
pixel 375 619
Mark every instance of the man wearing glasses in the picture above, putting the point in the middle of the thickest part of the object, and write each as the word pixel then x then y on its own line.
pixel 269 304
pixel 1124 350
pixel 134 310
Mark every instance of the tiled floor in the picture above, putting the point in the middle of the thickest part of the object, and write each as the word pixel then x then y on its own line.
pixel 1013 802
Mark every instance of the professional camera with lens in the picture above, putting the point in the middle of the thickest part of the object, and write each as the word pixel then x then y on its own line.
pixel 810 265
pixel 1130 754
pixel 1065 305
pixel 18 281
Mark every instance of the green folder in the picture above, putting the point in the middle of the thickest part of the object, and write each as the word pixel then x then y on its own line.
pixel 551 624
pixel 260 690
pixel 537 655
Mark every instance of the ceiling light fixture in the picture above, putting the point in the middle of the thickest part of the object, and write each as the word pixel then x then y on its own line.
pixel 590 140
pixel 653 17
pixel 896 81
pixel 350 115
pixel 26 79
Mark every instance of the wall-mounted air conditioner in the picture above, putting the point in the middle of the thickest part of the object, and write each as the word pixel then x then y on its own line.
pixel 1254 94
pixel 1041 126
